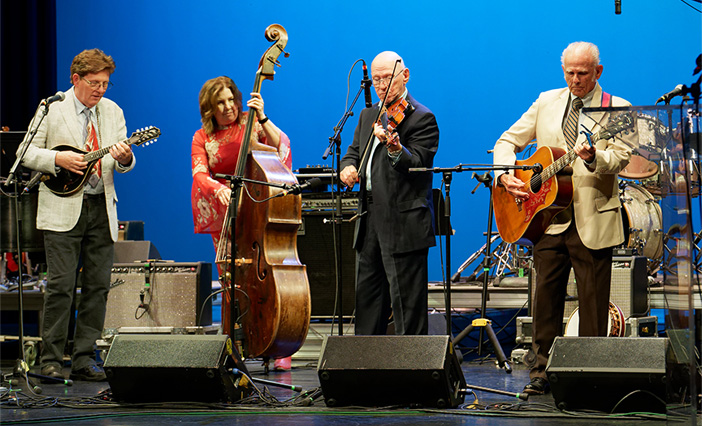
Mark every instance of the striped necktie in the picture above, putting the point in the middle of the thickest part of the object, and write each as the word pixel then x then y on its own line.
pixel 570 130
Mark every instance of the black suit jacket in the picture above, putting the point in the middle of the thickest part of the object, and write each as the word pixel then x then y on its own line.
pixel 402 200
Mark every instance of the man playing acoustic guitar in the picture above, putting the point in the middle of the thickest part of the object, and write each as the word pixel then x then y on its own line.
pixel 583 234
pixel 80 227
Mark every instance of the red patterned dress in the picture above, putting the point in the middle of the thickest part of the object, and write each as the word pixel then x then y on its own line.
pixel 218 153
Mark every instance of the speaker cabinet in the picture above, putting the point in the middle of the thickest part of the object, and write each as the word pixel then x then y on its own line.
pixel 159 294
pixel 609 373
pixel 159 368
pixel 135 251
pixel 316 247
pixel 390 370
pixel 131 230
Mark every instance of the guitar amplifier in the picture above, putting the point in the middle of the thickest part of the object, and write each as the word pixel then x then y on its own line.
pixel 159 294
pixel 628 287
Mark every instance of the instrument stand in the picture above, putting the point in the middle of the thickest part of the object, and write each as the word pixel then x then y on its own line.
pixel 21 369
pixel 447 177
pixel 337 212
pixel 483 323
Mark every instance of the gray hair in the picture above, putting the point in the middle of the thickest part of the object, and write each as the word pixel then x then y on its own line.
pixel 582 46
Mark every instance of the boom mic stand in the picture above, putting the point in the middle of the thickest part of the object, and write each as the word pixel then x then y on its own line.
pixel 337 212
pixel 21 368
pixel 236 183
pixel 483 323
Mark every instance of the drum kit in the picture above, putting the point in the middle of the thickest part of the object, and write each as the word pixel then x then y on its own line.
pixel 644 182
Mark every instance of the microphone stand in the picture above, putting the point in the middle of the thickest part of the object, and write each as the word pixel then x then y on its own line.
pixel 337 212
pixel 483 323
pixel 21 368
pixel 235 184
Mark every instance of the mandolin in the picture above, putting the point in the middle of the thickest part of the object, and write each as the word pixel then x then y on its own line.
pixel 551 191
pixel 67 183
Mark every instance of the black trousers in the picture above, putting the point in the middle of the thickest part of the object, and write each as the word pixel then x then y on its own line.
pixel 554 255
pixel 390 283
pixel 91 242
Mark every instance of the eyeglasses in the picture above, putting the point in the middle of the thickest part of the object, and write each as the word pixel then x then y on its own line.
pixel 378 81
pixel 97 84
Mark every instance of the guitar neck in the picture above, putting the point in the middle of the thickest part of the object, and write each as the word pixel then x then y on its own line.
pixel 566 159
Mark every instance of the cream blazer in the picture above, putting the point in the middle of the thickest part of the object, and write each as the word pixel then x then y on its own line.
pixel 596 203
pixel 60 127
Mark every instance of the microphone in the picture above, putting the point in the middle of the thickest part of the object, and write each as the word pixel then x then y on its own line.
pixel 679 90
pixel 297 188
pixel 59 96
pixel 33 181
pixel 617 7
pixel 366 83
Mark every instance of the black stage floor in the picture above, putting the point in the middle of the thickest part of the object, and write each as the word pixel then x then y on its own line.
pixel 84 403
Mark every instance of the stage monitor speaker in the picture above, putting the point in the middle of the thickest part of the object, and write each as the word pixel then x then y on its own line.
pixel 623 374
pixel 316 248
pixel 131 230
pixel 161 368
pixel 135 251
pixel 159 294
pixel 390 370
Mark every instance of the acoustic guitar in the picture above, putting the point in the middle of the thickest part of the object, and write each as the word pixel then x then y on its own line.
pixel 551 190
pixel 67 183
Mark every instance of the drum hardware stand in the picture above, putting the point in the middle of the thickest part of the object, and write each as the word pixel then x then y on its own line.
pixel 21 368
pixel 472 258
pixel 337 210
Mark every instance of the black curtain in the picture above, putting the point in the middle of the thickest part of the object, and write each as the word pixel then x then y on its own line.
pixel 28 59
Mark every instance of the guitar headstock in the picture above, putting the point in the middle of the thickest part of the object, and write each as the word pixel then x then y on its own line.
pixel 147 134
pixel 618 123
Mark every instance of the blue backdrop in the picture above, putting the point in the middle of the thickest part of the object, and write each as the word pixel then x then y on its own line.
pixel 477 65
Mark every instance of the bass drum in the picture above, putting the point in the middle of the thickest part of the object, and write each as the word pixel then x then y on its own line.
pixel 615 322
pixel 643 223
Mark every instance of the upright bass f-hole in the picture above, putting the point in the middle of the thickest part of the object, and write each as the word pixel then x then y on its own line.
pixel 261 271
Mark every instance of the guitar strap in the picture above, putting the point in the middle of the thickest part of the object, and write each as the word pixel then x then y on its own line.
pixel 606 99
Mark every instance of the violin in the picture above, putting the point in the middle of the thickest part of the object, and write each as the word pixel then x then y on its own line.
pixel 395 113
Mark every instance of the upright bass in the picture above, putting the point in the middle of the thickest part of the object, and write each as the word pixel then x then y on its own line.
pixel 270 296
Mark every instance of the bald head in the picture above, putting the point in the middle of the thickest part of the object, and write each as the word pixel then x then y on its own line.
pixel 385 66
pixel 388 58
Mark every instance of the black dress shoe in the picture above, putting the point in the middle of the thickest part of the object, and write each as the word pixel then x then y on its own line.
pixel 53 371
pixel 90 373
pixel 537 386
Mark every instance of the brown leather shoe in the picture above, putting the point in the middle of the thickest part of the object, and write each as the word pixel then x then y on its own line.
pixel 90 373
pixel 537 386
pixel 53 371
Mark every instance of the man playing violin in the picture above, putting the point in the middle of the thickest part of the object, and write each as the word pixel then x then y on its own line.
pixel 395 226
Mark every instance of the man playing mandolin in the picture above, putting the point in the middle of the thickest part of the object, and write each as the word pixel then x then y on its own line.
pixel 395 229
pixel 79 227
pixel 582 235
